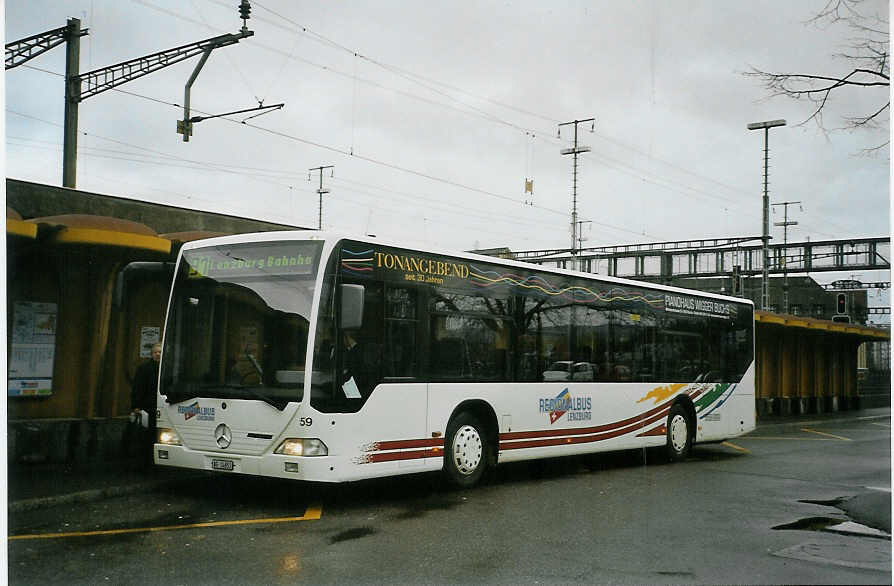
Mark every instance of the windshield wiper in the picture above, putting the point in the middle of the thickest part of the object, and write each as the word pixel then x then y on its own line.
pixel 280 404
pixel 178 397
pixel 173 396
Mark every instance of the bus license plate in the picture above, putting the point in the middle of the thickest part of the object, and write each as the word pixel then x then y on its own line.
pixel 222 464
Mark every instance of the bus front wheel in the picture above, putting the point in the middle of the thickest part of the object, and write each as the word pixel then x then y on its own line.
pixel 679 433
pixel 465 451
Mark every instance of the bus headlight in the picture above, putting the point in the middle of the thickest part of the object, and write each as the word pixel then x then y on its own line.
pixel 168 437
pixel 302 447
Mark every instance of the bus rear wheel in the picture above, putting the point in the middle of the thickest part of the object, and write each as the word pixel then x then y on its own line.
pixel 679 434
pixel 465 451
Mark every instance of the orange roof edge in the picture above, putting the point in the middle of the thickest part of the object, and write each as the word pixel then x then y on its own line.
pixel 767 317
pixel 21 228
pixel 113 238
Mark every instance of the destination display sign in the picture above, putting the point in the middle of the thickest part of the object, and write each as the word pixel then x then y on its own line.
pixel 254 260
pixel 697 306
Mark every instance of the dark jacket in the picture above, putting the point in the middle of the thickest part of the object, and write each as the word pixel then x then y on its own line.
pixel 145 387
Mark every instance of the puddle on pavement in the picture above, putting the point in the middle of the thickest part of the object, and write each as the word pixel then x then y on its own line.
pixel 833 525
pixel 809 524
pixel 842 525
pixel 350 534
pixel 671 574
pixel 828 503
pixel 868 554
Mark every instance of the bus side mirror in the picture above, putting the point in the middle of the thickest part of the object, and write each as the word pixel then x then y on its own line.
pixel 351 307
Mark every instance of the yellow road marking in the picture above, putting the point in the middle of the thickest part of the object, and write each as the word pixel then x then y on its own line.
pixel 832 435
pixel 313 513
pixel 735 447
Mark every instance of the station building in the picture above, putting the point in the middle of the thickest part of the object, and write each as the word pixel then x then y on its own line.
pixel 87 286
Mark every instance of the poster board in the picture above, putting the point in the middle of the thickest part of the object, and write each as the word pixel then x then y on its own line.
pixel 149 336
pixel 33 349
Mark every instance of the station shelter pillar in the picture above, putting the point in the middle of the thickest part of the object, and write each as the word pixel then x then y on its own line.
pixel 807 365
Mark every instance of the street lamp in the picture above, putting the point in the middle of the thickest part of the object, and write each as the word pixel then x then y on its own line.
pixel 765 290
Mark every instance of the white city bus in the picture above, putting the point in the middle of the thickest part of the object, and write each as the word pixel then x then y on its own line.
pixel 312 356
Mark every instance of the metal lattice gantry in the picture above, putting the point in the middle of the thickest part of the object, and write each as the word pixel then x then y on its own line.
pixel 23 50
pixel 105 78
pixel 666 261
pixel 79 87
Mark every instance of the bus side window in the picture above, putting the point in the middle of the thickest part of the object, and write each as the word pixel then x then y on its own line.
pixel 401 323
pixel 471 337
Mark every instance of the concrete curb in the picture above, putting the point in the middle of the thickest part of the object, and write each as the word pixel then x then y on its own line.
pixel 93 494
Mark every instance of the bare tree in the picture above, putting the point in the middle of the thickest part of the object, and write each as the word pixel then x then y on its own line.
pixel 866 56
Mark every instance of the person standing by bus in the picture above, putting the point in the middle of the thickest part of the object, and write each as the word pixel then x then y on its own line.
pixel 142 400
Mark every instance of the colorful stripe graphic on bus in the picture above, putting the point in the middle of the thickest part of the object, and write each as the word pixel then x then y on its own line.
pixel 578 409
pixel 394 450
pixel 357 263
pixel 423 269
pixel 641 425
pixel 716 396
pixel 576 294
pixel 713 395
pixel 662 393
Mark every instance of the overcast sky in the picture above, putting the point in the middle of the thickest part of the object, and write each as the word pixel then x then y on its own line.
pixel 435 113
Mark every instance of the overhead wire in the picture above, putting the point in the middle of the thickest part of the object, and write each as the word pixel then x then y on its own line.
pixel 333 149
pixel 421 174
pixel 89 153
pixel 383 163
pixel 434 203
pixel 536 133
pixel 268 176
pixel 419 79
pixel 392 68
pixel 180 162
pixel 474 112
pixel 170 161
pixel 486 222
pixel 698 176
pixel 226 54
pixel 166 160
pixel 335 71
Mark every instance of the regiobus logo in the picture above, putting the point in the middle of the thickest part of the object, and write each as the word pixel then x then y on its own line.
pixel 577 408
pixel 200 413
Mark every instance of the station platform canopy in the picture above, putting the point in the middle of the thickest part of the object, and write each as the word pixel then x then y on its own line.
pixel 820 325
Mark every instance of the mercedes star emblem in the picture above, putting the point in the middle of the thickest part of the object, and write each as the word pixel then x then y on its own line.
pixel 223 435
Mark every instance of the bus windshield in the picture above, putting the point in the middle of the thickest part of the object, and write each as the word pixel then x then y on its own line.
pixel 238 322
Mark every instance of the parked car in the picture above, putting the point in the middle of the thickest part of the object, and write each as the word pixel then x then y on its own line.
pixel 583 371
pixel 568 370
pixel 558 371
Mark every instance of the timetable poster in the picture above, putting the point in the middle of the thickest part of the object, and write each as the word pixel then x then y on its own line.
pixel 33 349
pixel 149 337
